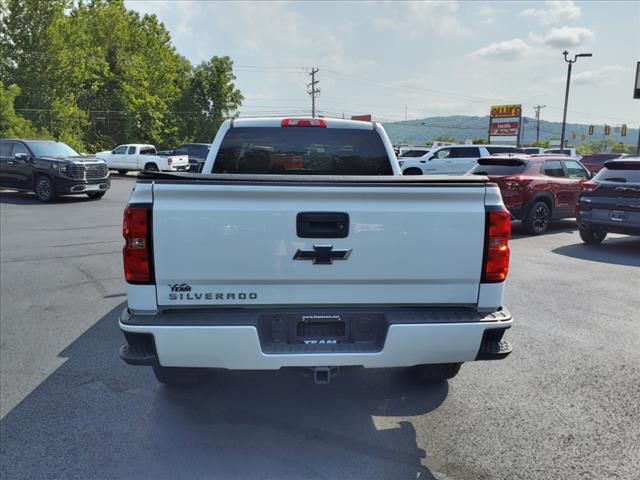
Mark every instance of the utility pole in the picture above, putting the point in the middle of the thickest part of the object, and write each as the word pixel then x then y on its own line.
pixel 313 91
pixel 405 113
pixel 566 93
pixel 537 109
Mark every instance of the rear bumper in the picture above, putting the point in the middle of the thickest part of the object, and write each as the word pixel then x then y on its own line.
pixel 177 168
pixel 423 337
pixel 609 226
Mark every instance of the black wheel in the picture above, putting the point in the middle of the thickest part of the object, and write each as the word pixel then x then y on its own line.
pixel 538 219
pixel 412 171
pixel 151 167
pixel 435 373
pixel 44 189
pixel 122 172
pixel 96 195
pixel 177 376
pixel 592 236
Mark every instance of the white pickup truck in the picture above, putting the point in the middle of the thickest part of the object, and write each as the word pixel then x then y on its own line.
pixel 302 245
pixel 136 156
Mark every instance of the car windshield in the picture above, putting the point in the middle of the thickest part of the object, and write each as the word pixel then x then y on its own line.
pixel 51 149
pixel 302 151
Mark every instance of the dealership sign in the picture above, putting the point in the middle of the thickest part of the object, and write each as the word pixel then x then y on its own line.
pixel 505 124
pixel 503 129
pixel 502 111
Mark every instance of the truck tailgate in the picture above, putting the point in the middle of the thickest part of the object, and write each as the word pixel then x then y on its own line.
pixel 235 243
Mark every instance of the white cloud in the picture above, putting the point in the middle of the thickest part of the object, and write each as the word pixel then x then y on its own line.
pixel 490 11
pixel 567 36
pixel 607 75
pixel 419 18
pixel 553 11
pixel 507 49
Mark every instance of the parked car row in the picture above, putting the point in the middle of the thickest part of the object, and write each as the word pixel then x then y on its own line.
pixel 538 189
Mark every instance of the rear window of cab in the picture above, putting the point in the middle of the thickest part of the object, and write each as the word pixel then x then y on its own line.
pixel 302 151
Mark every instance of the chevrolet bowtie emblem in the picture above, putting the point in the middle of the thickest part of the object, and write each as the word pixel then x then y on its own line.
pixel 322 254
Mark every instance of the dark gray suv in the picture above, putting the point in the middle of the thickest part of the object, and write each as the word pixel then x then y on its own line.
pixel 610 201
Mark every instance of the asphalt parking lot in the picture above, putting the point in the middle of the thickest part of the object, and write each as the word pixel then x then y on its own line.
pixel 564 405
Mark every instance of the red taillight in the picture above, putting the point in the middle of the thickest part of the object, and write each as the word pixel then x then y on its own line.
pixel 496 249
pixel 136 253
pixel 513 184
pixel 303 122
pixel 588 186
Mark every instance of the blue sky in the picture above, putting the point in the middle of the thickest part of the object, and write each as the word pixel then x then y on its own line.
pixel 435 58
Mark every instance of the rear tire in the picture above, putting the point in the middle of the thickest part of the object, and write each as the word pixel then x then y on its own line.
pixel 178 376
pixel 412 171
pixel 44 189
pixel 435 373
pixel 538 219
pixel 96 195
pixel 151 167
pixel 591 236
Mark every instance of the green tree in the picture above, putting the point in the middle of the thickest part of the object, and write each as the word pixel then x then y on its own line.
pixel 541 144
pixel 12 124
pixel 479 141
pixel 96 74
pixel 620 147
pixel 210 97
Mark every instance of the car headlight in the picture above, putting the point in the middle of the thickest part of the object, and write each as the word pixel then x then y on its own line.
pixel 62 168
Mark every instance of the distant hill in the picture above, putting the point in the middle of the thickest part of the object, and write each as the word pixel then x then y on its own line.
pixel 463 127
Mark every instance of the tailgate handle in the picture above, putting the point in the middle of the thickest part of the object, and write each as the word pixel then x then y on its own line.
pixel 322 225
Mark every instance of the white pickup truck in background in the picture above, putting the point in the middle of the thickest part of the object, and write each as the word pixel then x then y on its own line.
pixel 136 156
pixel 302 245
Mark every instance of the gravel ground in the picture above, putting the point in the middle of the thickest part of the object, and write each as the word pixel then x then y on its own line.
pixel 564 405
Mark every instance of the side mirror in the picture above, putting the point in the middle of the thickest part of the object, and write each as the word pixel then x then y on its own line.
pixel 23 157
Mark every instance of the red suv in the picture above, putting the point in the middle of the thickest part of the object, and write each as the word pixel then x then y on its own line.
pixel 536 189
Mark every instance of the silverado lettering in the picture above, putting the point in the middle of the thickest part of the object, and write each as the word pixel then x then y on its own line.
pixel 213 296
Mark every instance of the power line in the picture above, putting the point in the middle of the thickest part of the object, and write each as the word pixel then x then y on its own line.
pixel 477 99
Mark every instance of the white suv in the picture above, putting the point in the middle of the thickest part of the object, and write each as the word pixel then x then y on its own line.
pixel 451 160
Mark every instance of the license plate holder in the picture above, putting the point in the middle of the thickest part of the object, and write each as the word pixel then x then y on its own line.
pixel 90 188
pixel 322 330
pixel 617 216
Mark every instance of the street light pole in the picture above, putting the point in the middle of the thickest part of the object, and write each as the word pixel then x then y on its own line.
pixel 566 93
